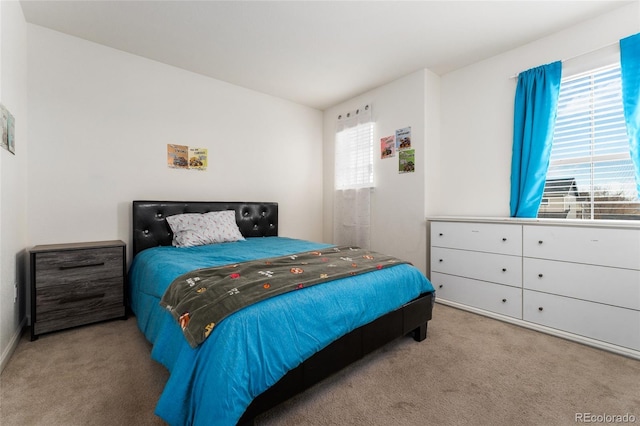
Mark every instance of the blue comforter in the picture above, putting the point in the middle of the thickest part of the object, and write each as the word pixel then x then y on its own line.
pixel 252 349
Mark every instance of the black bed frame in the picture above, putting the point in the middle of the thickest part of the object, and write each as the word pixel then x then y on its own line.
pixel 150 229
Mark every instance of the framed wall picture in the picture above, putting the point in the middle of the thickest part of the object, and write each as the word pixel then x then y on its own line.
pixel 11 132
pixel 8 130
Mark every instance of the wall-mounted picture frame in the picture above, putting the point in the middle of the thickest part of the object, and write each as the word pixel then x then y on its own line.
pixel 8 130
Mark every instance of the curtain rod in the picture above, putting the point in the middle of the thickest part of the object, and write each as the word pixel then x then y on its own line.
pixel 574 57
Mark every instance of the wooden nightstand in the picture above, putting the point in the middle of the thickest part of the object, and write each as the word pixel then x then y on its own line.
pixel 76 284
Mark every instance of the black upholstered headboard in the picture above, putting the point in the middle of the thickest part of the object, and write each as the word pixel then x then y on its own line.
pixel 150 228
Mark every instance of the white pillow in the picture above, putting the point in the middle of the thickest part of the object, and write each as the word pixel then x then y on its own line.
pixel 225 223
pixel 196 229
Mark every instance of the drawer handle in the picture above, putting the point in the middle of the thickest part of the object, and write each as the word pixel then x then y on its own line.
pixel 540 275
pixel 86 265
pixel 504 300
pixel 540 309
pixel 504 239
pixel 440 234
pixel 440 260
pixel 539 241
pixel 80 298
pixel 504 269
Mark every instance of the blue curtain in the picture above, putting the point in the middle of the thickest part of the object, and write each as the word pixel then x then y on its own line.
pixel 630 69
pixel 533 122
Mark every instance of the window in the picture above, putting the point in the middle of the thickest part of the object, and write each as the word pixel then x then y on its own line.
pixel 591 175
pixel 354 150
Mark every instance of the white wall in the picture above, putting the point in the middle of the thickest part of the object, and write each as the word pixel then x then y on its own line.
pixel 13 179
pixel 100 121
pixel 477 113
pixel 398 201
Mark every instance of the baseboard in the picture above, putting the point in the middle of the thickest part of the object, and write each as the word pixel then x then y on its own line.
pixel 620 350
pixel 13 344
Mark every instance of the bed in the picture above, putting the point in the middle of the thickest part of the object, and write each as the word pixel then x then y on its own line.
pixel 264 354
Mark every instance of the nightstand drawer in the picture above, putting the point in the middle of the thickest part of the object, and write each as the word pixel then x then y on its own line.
pixel 77 266
pixel 58 301
pixel 77 319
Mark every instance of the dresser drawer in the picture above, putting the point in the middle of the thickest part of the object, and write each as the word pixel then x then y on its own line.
pixel 497 268
pixel 501 299
pixel 597 246
pixel 612 286
pixel 485 237
pixel 77 266
pixel 611 324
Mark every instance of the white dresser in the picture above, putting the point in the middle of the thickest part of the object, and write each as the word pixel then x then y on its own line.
pixel 575 279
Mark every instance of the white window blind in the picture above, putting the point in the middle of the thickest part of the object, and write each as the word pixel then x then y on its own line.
pixel 590 174
pixel 354 150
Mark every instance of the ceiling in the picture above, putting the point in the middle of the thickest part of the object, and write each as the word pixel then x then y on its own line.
pixel 315 53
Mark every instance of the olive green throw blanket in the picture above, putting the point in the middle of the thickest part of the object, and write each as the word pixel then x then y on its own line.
pixel 200 299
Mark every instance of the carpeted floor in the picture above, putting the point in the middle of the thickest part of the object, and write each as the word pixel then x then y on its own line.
pixel 471 370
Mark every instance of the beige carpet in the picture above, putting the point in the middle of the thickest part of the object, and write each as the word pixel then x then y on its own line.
pixel 471 370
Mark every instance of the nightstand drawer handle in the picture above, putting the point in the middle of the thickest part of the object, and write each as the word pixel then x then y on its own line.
pixel 80 298
pixel 87 265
